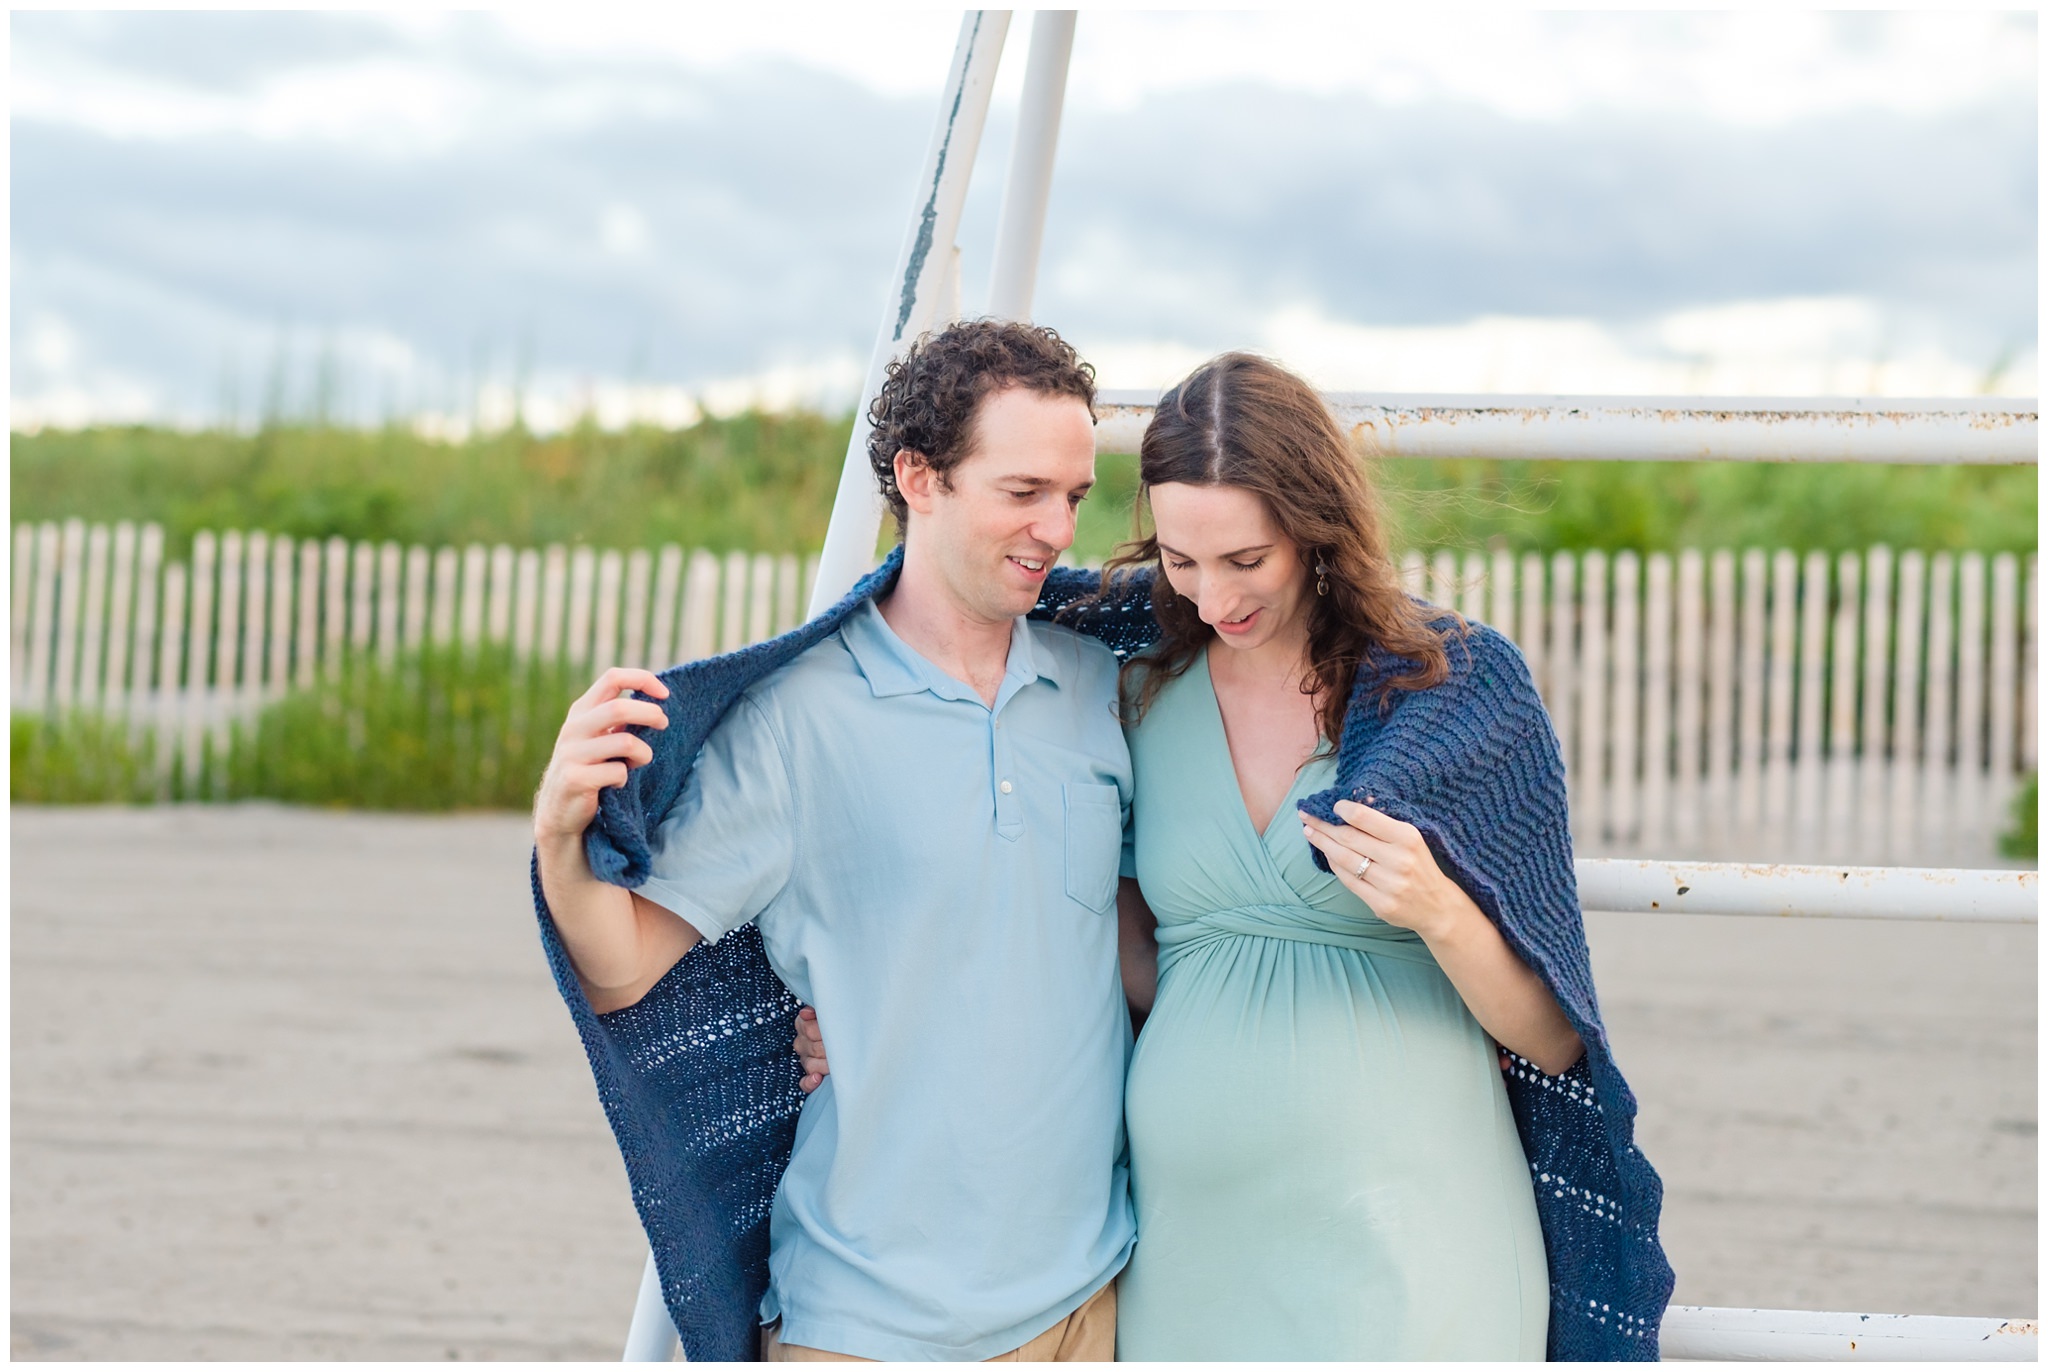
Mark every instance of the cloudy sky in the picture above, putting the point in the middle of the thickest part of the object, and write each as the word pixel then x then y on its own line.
pixel 641 212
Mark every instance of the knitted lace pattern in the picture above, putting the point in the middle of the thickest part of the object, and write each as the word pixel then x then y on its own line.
pixel 701 1089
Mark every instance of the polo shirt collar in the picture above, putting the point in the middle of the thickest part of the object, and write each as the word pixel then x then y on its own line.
pixel 893 668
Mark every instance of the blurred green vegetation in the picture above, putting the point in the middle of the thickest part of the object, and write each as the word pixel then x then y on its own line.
pixel 440 729
pixel 2023 839
pixel 764 482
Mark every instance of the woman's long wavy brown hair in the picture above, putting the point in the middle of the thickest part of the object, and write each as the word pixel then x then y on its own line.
pixel 1241 420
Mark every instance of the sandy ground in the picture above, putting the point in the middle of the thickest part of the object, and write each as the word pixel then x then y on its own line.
pixel 291 1084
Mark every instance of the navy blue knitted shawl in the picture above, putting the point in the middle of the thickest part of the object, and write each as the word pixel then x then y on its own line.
pixel 700 1086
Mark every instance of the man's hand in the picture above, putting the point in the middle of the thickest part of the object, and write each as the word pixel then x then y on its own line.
pixel 593 751
pixel 810 1050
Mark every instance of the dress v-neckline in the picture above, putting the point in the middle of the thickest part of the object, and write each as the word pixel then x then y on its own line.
pixel 1230 764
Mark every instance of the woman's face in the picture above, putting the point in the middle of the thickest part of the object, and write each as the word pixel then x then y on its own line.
pixel 1223 551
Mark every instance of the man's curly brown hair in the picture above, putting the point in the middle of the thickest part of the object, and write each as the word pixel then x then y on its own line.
pixel 927 405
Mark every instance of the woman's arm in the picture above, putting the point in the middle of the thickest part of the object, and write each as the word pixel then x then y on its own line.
pixel 1405 887
pixel 1137 949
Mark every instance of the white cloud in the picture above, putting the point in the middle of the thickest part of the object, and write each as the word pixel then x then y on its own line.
pixel 1826 346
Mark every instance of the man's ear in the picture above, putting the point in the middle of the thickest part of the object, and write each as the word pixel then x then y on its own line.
pixel 916 480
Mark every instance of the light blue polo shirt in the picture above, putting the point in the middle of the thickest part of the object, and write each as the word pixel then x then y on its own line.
pixel 938 878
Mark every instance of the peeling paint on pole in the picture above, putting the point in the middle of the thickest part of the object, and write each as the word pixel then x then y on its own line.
pixel 1653 429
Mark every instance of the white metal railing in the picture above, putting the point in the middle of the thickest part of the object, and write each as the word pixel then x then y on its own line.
pixel 1709 1334
pixel 1653 428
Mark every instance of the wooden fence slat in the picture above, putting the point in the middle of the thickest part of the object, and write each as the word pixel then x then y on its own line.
pixel 582 591
pixel 697 631
pixel 1654 827
pixel 554 601
pixel 199 639
pixel 412 633
pixel 2030 673
pixel 1589 803
pixel 447 592
pixel 633 642
pixel 277 670
pixel 1733 725
pixel 504 581
pixel 482 582
pixel 1561 655
pixel 2004 689
pixel 527 597
pixel 255 618
pixel 810 580
pixel 1472 588
pixel 1414 573
pixel 99 547
pixel 1838 815
pixel 1625 694
pixel 362 589
pixel 1689 688
pixel 1779 700
pixel 732 619
pixel 1937 732
pixel 761 599
pixel 1966 806
pixel 70 596
pixel 42 618
pixel 17 625
pixel 306 634
pixel 1907 699
pixel 788 586
pixel 227 636
pixel 668 587
pixel 120 619
pixel 1873 730
pixel 1443 579
pixel 1810 704
pixel 1529 635
pixel 1500 612
pixel 390 592
pixel 335 602
pixel 604 644
pixel 1753 672
pixel 170 664
pixel 143 650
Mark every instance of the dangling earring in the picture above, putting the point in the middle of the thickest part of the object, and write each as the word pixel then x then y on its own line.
pixel 1322 578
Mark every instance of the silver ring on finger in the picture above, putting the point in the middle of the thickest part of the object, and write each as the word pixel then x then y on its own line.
pixel 1363 863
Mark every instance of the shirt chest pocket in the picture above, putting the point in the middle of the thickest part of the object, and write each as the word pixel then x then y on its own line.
pixel 1095 839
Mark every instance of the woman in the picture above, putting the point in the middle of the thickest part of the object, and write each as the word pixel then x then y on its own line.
pixel 1325 1159
pixel 1322 1155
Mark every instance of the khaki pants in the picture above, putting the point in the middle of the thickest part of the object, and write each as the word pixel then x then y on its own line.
pixel 1087 1335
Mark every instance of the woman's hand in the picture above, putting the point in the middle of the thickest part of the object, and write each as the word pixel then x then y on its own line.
pixel 1400 880
pixel 810 1050
pixel 593 751
pixel 1386 864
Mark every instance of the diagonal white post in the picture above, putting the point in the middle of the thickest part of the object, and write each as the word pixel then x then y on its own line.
pixel 914 290
pixel 1020 232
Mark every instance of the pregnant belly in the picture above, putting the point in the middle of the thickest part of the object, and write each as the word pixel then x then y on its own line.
pixel 1321 1135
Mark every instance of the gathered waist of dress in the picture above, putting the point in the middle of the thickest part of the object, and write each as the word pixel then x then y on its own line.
pixel 1297 923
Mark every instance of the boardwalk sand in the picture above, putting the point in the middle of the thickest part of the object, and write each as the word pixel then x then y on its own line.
pixel 294 1084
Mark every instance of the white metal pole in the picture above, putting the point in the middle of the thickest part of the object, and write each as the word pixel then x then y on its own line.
pixel 652 1337
pixel 1020 233
pixel 914 289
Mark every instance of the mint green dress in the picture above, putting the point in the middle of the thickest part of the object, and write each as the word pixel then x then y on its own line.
pixel 1322 1156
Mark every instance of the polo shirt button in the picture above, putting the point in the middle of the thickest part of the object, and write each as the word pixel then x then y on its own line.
pixel 1005 788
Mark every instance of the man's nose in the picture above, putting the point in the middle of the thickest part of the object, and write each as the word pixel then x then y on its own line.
pixel 1056 530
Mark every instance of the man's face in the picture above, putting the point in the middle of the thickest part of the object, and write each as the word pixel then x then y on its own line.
pixel 994 527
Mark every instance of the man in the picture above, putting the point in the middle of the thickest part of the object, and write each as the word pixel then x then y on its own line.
pixel 922 816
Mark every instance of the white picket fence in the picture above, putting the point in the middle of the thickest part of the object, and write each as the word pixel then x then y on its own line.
pixel 1866 707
